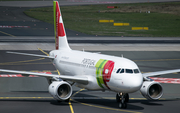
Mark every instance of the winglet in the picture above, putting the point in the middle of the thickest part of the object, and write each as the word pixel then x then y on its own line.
pixel 60 34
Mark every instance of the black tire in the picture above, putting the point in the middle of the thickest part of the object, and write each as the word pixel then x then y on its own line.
pixel 120 105
pixel 126 97
pixel 125 105
pixel 117 98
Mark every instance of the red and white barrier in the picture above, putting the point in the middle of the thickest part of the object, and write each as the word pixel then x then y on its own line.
pixel 14 26
pixel 166 80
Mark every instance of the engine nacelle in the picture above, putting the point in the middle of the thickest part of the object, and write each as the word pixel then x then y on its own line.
pixel 60 90
pixel 151 90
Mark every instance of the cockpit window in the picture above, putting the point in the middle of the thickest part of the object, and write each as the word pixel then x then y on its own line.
pixel 129 71
pixel 118 70
pixel 122 71
pixel 136 71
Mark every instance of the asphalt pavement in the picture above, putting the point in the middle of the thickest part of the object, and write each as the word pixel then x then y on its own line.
pixel 29 95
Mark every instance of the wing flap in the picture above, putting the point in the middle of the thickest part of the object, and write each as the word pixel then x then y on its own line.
pixel 78 79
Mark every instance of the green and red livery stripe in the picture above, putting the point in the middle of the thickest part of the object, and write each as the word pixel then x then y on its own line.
pixel 104 70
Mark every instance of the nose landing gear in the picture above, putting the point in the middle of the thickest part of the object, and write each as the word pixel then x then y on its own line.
pixel 122 99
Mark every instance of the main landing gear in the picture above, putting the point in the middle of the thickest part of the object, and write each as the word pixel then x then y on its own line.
pixel 122 99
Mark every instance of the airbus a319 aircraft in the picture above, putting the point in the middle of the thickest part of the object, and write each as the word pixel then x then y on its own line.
pixel 93 71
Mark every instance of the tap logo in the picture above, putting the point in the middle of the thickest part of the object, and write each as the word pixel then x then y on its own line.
pixel 104 70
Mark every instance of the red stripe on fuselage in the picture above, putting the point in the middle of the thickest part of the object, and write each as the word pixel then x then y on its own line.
pixel 108 68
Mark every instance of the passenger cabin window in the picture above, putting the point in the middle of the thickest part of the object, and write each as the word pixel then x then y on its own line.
pixel 129 71
pixel 136 71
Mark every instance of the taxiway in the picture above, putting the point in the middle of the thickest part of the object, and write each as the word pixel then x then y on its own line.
pixel 31 94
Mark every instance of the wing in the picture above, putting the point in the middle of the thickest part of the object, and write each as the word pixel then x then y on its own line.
pixel 158 73
pixel 78 79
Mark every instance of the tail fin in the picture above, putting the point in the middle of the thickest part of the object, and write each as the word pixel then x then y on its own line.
pixel 60 34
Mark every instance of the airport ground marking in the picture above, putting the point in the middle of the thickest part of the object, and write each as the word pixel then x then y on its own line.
pixel 8 63
pixel 105 21
pixel 7 34
pixel 121 24
pixel 100 106
pixel 108 108
pixel 43 51
pixel 30 63
pixel 110 98
pixel 71 108
pixel 139 28
pixel 78 92
pixel 3 98
pixel 58 72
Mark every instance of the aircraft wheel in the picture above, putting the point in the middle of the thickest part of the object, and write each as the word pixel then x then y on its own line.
pixel 122 105
pixel 122 98
pixel 125 105
pixel 126 97
pixel 118 98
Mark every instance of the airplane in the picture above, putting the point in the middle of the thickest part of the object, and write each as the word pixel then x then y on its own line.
pixel 93 71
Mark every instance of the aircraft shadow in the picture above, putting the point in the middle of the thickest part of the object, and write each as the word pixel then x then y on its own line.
pixel 133 104
pixel 90 100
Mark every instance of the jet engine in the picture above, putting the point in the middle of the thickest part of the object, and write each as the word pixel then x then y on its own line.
pixel 151 90
pixel 60 90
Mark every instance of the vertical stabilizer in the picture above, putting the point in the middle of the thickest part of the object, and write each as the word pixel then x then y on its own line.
pixel 60 34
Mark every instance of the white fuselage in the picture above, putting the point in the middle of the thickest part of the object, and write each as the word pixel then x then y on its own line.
pixel 104 72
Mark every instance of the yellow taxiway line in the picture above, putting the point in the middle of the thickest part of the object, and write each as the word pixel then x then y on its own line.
pixel 7 34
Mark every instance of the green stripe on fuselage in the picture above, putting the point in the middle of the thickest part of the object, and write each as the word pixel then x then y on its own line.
pixel 99 71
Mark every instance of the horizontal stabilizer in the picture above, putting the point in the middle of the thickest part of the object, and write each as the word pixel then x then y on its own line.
pixel 35 55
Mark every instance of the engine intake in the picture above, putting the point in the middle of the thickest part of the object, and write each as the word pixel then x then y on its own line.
pixel 151 90
pixel 60 90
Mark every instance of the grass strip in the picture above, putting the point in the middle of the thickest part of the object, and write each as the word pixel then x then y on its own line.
pixel 162 21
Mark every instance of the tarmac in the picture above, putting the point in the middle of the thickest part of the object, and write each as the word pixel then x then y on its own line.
pixel 24 94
